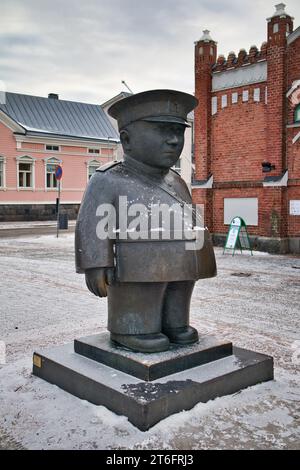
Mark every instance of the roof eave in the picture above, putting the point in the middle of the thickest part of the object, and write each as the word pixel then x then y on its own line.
pixel 114 99
pixel 72 137
pixel 293 36
pixel 11 123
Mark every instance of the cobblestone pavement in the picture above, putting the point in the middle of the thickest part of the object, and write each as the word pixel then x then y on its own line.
pixel 254 302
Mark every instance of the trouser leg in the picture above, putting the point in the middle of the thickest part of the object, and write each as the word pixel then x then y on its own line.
pixel 135 308
pixel 176 309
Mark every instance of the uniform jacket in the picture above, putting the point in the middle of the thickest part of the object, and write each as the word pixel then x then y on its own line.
pixel 140 260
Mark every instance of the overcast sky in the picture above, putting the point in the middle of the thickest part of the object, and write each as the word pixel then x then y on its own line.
pixel 82 49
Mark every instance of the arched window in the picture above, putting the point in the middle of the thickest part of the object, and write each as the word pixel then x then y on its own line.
pixel 50 166
pixel 25 170
pixel 297 113
pixel 92 167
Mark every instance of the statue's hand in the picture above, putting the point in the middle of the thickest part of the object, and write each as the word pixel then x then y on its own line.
pixel 97 280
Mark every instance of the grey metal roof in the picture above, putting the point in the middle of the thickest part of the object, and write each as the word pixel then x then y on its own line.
pixel 57 117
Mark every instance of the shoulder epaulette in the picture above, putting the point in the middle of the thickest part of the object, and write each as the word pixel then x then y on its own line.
pixel 174 171
pixel 107 166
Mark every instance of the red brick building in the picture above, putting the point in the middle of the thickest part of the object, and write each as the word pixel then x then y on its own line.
pixel 247 136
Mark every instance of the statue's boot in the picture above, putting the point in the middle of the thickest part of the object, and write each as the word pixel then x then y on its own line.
pixel 176 312
pixel 182 335
pixel 150 343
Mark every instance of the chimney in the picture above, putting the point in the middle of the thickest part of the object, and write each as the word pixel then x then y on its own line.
pixel 205 58
pixel 53 96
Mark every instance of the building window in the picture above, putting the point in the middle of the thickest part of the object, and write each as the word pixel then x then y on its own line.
pixel 92 167
pixel 201 50
pixel 25 172
pixel 256 94
pixel 234 97
pixel 211 51
pixel 266 95
pixel 275 28
pixel 177 166
pixel 51 181
pixel 245 95
pixel 297 113
pixel 2 172
pixel 224 101
pixel 52 148
pixel 97 151
pixel 214 104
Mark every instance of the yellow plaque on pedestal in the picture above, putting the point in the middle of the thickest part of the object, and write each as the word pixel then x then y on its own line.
pixel 37 361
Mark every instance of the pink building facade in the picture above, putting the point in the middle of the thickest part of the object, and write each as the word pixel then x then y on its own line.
pixel 29 154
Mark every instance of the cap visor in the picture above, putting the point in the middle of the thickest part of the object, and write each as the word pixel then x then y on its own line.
pixel 171 119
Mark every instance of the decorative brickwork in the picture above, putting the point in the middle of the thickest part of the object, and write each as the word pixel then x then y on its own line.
pixel 245 135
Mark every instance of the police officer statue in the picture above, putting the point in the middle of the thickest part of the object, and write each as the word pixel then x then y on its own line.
pixel 148 279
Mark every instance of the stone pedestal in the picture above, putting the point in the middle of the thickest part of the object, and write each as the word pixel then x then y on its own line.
pixel 149 387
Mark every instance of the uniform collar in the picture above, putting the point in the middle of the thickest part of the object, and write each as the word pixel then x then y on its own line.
pixel 143 168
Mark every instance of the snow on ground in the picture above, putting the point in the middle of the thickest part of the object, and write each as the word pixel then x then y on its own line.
pixel 254 302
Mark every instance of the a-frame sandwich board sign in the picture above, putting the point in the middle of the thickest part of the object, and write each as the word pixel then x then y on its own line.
pixel 237 236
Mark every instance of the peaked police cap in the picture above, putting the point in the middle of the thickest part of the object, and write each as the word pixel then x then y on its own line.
pixel 155 105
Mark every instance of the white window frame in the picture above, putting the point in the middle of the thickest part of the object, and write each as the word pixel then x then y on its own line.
pixel 256 95
pixel 178 168
pixel 48 161
pixel 3 163
pixel 214 105
pixel 296 112
pixel 52 145
pixel 91 163
pixel 224 101
pixel 245 96
pixel 93 148
pixel 234 97
pixel 31 160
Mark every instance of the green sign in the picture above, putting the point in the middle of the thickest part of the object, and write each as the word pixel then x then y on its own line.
pixel 237 236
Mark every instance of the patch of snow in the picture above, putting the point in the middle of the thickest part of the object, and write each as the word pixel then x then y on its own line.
pixel 43 302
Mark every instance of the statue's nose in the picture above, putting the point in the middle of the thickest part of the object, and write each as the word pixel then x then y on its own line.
pixel 172 140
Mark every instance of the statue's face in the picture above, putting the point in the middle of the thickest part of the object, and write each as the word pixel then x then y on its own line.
pixel 158 144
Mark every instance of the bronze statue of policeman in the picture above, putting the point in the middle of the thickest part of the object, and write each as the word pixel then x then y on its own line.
pixel 148 279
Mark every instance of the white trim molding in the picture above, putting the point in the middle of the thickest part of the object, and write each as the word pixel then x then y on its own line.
pixel 295 85
pixel 296 137
pixel 33 139
pixel 204 184
pixel 3 162
pixel 277 181
pixel 293 36
pixel 10 123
